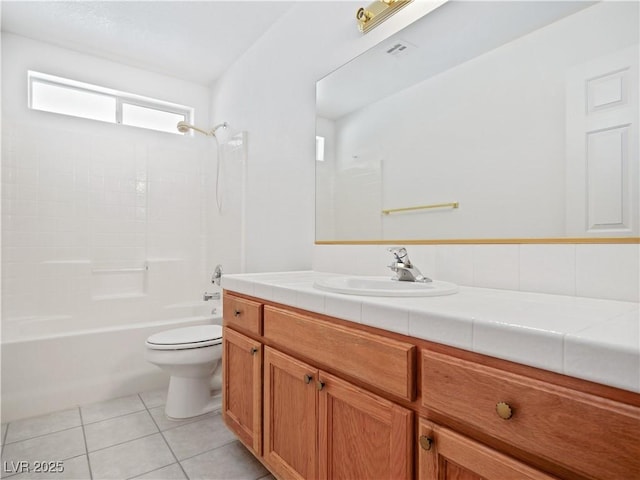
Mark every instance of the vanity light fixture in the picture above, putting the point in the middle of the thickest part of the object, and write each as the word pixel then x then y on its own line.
pixel 378 12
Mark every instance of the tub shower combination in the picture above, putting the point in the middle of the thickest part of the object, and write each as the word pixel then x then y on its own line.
pixel 87 340
pixel 42 369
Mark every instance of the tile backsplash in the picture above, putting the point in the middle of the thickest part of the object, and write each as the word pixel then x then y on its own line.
pixel 608 271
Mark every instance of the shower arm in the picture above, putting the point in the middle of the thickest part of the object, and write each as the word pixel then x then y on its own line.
pixel 184 127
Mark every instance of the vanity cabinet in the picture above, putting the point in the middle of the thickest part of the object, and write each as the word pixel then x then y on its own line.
pixel 447 455
pixel 242 387
pixel 290 416
pixel 317 425
pixel 584 433
pixel 319 398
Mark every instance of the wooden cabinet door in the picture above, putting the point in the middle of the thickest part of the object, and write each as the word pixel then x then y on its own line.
pixel 446 455
pixel 242 387
pixel 290 416
pixel 362 436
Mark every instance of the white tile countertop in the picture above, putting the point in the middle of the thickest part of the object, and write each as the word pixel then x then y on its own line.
pixel 592 339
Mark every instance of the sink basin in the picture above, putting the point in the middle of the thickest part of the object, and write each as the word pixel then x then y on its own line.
pixel 384 287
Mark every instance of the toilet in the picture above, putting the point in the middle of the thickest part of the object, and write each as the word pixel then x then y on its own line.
pixel 190 356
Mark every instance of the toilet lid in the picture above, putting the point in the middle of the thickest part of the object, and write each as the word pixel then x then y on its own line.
pixel 188 337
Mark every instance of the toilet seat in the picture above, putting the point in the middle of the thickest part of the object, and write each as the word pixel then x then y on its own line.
pixel 198 336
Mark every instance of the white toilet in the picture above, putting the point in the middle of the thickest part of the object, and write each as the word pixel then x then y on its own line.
pixel 190 356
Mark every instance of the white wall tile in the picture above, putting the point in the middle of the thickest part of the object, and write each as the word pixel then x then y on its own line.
pixel 608 271
pixel 496 266
pixel 548 269
pixel 454 263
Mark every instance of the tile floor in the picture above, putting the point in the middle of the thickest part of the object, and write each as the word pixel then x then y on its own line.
pixel 127 438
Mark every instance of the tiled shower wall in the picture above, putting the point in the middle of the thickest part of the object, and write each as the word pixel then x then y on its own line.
pixel 114 217
pixel 102 224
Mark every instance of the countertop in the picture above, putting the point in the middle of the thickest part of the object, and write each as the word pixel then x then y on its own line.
pixel 592 339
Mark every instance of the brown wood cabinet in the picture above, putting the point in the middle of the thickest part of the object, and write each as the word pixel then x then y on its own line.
pixel 362 435
pixel 447 455
pixel 584 433
pixel 319 426
pixel 290 416
pixel 242 387
pixel 320 398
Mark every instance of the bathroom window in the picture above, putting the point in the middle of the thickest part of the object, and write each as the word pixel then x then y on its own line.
pixel 70 97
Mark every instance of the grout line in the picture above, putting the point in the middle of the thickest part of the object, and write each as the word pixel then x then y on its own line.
pixel 187 421
pixel 4 438
pixel 86 447
pixel 165 440
pixel 125 441
pixel 39 436
pixel 154 470
pixel 115 416
pixel 211 450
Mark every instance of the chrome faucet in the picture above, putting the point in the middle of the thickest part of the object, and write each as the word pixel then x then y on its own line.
pixel 211 296
pixel 405 270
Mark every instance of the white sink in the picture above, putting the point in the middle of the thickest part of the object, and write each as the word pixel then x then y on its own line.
pixel 384 287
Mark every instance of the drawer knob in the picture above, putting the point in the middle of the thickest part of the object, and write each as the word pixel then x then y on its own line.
pixel 426 442
pixel 236 313
pixel 504 411
pixel 320 385
pixel 307 378
pixel 254 350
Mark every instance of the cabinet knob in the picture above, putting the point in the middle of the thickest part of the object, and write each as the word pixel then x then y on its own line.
pixel 236 312
pixel 254 350
pixel 307 379
pixel 426 442
pixel 319 385
pixel 504 411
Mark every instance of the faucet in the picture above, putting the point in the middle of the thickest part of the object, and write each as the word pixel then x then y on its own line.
pixel 211 296
pixel 405 270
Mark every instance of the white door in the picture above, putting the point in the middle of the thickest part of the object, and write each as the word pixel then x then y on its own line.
pixel 602 146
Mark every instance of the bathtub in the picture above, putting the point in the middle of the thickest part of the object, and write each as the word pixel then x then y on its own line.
pixel 56 362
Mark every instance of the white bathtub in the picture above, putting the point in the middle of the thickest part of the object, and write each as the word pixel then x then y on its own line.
pixel 51 363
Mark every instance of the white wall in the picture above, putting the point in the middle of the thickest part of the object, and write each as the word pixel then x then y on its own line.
pixel 489 134
pixel 82 195
pixel 270 92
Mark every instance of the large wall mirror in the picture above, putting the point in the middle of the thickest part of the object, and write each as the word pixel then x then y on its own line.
pixel 486 122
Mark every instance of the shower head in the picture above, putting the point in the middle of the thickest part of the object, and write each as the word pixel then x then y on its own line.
pixel 184 127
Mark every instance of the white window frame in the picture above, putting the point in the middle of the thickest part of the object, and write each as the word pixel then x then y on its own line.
pixel 119 96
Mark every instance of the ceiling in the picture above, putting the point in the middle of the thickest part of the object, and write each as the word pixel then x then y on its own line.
pixel 192 40
pixel 451 35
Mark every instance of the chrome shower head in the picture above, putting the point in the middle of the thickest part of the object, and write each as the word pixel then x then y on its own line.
pixel 184 127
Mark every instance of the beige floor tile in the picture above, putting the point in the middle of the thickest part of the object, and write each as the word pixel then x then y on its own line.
pixel 165 424
pixel 118 430
pixel 111 408
pixel 130 459
pixel 230 462
pixel 52 447
pixel 155 398
pixel 172 472
pixel 42 425
pixel 76 468
pixel 198 437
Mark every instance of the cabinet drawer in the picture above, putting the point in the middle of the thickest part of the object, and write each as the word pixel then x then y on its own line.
pixel 242 314
pixel 378 361
pixel 593 436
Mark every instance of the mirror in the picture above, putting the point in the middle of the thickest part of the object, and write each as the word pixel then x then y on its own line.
pixel 485 121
